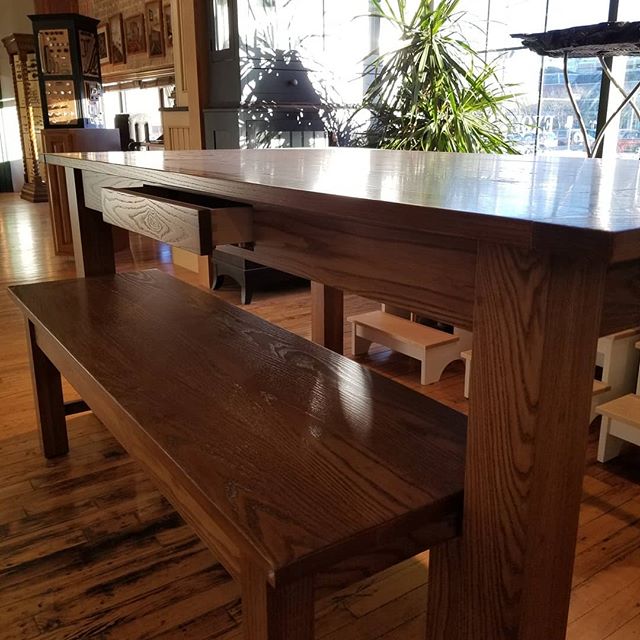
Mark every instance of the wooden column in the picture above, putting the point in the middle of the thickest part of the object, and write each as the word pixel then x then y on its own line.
pixel 184 127
pixel 327 316
pixel 92 237
pixel 47 390
pixel 536 321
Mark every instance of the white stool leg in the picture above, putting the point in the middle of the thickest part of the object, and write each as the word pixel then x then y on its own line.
pixel 609 446
pixel 465 338
pixel 434 362
pixel 467 377
pixel 359 346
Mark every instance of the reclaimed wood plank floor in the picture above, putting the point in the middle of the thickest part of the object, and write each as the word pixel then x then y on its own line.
pixel 90 549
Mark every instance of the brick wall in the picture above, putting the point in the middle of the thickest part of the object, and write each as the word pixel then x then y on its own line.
pixel 136 63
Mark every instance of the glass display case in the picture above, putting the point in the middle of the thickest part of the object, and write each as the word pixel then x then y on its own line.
pixel 24 69
pixel 69 69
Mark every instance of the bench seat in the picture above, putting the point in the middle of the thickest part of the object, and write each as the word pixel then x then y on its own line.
pixel 286 458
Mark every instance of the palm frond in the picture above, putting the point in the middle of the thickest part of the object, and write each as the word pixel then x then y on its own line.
pixel 434 91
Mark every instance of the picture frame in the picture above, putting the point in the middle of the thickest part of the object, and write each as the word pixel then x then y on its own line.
pixel 155 30
pixel 89 54
pixel 118 51
pixel 134 34
pixel 104 43
pixel 168 28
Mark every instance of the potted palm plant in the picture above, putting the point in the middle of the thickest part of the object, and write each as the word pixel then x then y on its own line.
pixel 434 92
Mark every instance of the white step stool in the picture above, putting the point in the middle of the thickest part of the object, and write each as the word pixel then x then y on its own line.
pixel 435 349
pixel 600 389
pixel 619 358
pixel 620 424
pixel 616 354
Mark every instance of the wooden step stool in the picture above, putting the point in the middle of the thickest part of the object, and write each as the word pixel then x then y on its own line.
pixel 619 359
pixel 599 388
pixel 435 349
pixel 620 423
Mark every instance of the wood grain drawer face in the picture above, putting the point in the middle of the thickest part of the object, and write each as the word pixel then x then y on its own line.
pixel 94 182
pixel 193 227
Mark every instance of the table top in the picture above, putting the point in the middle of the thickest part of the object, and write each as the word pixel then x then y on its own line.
pixel 573 205
pixel 584 41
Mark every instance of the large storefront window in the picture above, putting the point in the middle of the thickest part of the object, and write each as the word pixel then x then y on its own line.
pixel 543 119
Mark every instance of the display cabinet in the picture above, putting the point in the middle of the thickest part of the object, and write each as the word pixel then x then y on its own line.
pixel 24 69
pixel 69 70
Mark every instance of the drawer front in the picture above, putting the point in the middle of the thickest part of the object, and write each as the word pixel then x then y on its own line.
pixel 193 227
pixel 93 183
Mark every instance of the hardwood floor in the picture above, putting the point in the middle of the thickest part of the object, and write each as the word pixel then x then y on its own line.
pixel 89 548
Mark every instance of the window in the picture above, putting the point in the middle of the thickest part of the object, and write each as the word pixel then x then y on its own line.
pixel 143 107
pixel 544 121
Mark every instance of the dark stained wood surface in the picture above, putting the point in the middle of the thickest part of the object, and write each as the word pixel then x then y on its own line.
pixel 567 204
pixel 93 550
pixel 525 454
pixel 327 316
pixel 585 41
pixel 427 273
pixel 179 223
pixel 50 409
pixel 276 614
pixel 524 425
pixel 309 456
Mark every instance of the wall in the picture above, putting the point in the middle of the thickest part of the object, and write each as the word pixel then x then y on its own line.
pixel 14 20
pixel 138 63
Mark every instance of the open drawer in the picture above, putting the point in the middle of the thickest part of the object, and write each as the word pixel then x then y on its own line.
pixel 194 222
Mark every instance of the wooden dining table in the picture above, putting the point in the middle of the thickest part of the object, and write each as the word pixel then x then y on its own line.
pixel 538 256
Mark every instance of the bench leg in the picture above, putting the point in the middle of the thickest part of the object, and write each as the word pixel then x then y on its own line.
pixel 284 613
pixel 47 389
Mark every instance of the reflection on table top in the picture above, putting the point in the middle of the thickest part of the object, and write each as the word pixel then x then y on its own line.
pixel 538 202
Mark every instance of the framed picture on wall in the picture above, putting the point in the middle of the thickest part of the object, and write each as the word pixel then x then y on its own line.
pixel 104 44
pixel 155 35
pixel 134 37
pixel 168 30
pixel 89 56
pixel 118 53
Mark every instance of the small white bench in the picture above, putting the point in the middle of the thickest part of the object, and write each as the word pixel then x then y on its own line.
pixel 619 359
pixel 620 422
pixel 435 349
pixel 597 398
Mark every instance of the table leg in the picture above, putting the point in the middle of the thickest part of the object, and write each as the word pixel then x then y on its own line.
pixel 47 391
pixel 536 322
pixel 283 613
pixel 327 316
pixel 92 236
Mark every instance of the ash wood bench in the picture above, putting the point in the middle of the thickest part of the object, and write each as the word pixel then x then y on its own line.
pixel 301 470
